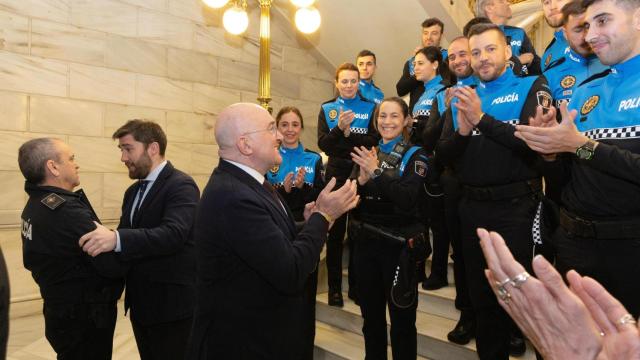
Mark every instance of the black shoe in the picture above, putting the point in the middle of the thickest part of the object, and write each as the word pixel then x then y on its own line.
pixel 463 332
pixel 434 283
pixel 353 296
pixel 517 346
pixel 335 299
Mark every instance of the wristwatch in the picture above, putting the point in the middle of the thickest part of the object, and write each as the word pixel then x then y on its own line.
pixel 376 172
pixel 586 150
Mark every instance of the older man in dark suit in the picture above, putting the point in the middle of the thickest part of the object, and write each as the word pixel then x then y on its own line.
pixel 252 263
pixel 155 237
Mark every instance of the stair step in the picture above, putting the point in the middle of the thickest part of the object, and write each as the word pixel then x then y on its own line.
pixel 333 343
pixel 432 330
pixel 437 302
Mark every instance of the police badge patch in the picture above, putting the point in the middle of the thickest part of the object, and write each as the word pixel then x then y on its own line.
pixel 547 61
pixel 274 170
pixel 544 99
pixel 52 201
pixel 333 114
pixel 568 81
pixel 589 105
pixel 421 168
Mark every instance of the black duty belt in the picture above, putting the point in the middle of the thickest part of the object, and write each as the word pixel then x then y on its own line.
pixel 501 192
pixel 604 230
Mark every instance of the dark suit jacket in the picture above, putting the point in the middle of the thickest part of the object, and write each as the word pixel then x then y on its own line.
pixel 160 286
pixel 252 267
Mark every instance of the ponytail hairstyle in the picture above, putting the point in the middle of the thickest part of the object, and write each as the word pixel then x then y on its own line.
pixel 432 54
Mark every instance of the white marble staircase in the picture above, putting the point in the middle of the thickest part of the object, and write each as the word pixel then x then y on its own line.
pixel 339 330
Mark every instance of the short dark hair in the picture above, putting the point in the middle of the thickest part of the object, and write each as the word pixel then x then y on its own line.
pixel 629 4
pixel 364 53
pixel 432 54
pixel 143 131
pixel 346 66
pixel 288 109
pixel 482 28
pixel 474 21
pixel 33 156
pixel 573 8
pixel 433 21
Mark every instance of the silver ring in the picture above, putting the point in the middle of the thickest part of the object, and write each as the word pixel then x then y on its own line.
pixel 503 282
pixel 503 294
pixel 626 319
pixel 520 279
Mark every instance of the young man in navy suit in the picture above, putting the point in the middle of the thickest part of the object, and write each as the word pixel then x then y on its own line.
pixel 155 237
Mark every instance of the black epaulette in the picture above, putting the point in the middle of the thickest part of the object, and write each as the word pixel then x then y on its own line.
pixel 332 100
pixel 555 63
pixel 311 151
pixel 53 201
pixel 595 77
pixel 443 89
pixel 365 99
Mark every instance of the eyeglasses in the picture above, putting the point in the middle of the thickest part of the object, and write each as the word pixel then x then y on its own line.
pixel 273 129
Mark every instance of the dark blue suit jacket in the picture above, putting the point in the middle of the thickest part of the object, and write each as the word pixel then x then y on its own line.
pixel 252 267
pixel 159 246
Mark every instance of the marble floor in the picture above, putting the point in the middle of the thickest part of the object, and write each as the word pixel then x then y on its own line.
pixel 27 341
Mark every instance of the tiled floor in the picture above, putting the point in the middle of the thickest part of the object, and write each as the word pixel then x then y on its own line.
pixel 27 341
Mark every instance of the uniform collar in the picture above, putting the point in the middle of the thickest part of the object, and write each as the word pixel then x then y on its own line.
pixel 629 67
pixel 386 148
pixel 575 57
pixel 469 80
pixel 349 101
pixel 559 35
pixel 298 150
pixel 500 81
pixel 433 82
pixel 32 188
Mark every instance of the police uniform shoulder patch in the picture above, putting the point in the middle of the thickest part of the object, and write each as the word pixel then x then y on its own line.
pixel 333 114
pixel 274 170
pixel 53 201
pixel 568 81
pixel 544 99
pixel 590 104
pixel 421 168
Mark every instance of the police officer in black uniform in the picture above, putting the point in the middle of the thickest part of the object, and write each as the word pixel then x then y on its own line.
pixel 79 292
pixel 501 184
pixel 390 180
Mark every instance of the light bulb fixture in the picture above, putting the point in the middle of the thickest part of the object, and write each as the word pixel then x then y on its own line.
pixel 216 4
pixel 235 20
pixel 308 19
pixel 302 3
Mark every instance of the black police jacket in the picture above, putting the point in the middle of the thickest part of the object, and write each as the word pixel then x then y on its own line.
pixel 53 221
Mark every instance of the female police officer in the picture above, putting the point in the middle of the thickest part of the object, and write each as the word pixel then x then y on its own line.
pixel 299 180
pixel 343 122
pixel 390 180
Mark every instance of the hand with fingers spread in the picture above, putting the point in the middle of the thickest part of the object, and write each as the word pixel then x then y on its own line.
pixel 563 137
pixel 98 241
pixel 367 160
pixel 549 314
pixel 333 204
pixel 542 119
pixel 469 104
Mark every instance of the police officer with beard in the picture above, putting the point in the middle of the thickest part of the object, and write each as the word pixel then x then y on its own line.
pixel 79 291
pixel 501 184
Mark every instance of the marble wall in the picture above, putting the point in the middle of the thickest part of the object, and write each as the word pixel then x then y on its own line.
pixel 78 69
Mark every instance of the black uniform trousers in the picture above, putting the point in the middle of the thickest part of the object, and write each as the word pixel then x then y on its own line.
pixel 335 239
pixel 376 259
pixel 437 224
pixel 80 331
pixel 513 219
pixel 452 195
pixel 163 341
pixel 612 262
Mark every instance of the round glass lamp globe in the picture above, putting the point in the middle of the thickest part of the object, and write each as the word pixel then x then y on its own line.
pixel 216 4
pixel 308 20
pixel 302 3
pixel 235 20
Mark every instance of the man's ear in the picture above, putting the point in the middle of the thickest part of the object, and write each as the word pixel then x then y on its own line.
pixel 52 168
pixel 153 149
pixel 243 146
pixel 636 19
pixel 508 53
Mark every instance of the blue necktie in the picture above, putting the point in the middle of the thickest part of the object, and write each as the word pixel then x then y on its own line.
pixel 142 186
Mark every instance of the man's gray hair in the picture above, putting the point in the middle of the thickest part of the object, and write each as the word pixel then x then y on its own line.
pixel 480 6
pixel 33 156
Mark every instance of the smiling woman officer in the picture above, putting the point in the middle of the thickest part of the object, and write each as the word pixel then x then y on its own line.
pixel 390 180
pixel 343 122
